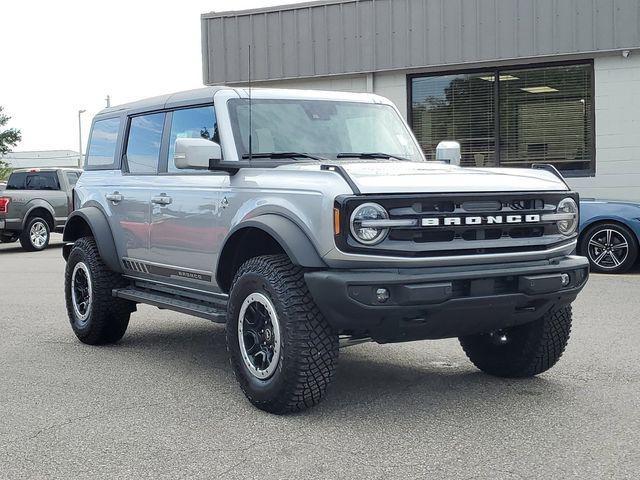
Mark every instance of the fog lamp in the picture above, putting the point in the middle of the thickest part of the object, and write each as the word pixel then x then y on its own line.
pixel 382 295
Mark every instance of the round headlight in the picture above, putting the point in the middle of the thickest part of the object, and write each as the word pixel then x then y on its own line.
pixel 568 226
pixel 362 230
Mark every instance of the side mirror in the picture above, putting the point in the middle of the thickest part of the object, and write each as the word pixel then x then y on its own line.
pixel 196 153
pixel 449 152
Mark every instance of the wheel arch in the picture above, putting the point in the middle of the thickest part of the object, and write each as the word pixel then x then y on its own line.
pixel 90 221
pixel 263 235
pixel 42 209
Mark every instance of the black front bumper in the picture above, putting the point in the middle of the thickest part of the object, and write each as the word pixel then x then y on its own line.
pixel 445 302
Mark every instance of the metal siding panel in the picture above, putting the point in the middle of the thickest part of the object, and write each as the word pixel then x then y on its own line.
pixel 506 20
pixel 584 34
pixel 469 30
pixel 604 33
pixel 289 44
pixel 433 22
pixel 626 23
pixel 319 40
pixel 346 36
pixel 564 28
pixel 525 21
pixel 382 45
pixel 451 30
pixel 351 62
pixel 274 45
pixel 399 34
pixel 218 56
pixel 335 39
pixel 544 28
pixel 366 48
pixel 305 42
pixel 487 29
pixel 417 32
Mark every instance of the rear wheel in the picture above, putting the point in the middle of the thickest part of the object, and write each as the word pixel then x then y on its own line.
pixel 35 236
pixel 282 349
pixel 610 248
pixel 522 351
pixel 96 316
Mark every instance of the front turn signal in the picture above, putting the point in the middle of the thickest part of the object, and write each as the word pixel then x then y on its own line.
pixel 336 221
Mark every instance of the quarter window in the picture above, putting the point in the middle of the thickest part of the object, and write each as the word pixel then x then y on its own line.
pixel 143 144
pixel 102 144
pixel 191 123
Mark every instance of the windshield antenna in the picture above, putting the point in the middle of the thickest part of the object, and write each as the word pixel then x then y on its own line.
pixel 250 119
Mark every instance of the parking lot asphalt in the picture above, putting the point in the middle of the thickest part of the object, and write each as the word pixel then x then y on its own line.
pixel 163 402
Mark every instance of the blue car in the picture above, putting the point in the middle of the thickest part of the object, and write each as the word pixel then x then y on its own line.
pixel 609 234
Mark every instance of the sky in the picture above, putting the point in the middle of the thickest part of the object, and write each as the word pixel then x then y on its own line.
pixel 62 56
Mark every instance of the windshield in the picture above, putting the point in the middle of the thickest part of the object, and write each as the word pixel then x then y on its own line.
pixel 321 128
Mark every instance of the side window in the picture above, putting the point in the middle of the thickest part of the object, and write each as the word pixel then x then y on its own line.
pixel 102 144
pixel 143 145
pixel 72 178
pixel 191 123
pixel 43 181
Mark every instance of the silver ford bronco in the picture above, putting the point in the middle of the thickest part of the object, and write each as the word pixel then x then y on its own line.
pixel 306 221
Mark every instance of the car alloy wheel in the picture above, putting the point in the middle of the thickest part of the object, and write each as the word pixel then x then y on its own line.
pixel 81 292
pixel 38 234
pixel 259 335
pixel 608 248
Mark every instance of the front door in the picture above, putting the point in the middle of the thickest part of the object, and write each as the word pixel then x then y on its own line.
pixel 186 234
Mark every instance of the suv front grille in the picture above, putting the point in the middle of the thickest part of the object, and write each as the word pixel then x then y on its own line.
pixel 433 236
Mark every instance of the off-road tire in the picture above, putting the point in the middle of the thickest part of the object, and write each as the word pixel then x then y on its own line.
pixel 309 346
pixel 108 317
pixel 530 349
pixel 25 235
pixel 621 230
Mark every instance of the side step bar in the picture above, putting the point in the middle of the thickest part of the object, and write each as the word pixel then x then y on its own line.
pixel 177 303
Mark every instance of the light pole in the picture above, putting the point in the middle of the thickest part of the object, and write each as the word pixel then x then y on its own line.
pixel 80 112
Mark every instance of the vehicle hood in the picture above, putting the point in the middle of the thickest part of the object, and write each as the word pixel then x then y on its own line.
pixel 413 177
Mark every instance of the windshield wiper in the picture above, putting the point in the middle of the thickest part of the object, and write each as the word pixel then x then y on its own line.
pixel 370 155
pixel 277 155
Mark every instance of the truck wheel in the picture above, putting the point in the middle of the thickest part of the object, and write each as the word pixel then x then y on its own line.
pixel 96 316
pixel 35 236
pixel 610 248
pixel 522 351
pixel 282 349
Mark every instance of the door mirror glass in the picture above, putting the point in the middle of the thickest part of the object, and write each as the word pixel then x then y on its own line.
pixel 449 152
pixel 196 153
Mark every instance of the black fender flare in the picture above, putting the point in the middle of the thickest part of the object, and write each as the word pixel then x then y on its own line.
pixel 95 220
pixel 292 239
pixel 38 203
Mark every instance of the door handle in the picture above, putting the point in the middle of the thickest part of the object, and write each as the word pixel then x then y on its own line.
pixel 115 197
pixel 162 200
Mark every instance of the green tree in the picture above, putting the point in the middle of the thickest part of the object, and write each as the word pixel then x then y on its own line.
pixel 9 138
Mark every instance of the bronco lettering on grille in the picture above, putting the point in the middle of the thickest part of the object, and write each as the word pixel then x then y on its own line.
pixel 480 220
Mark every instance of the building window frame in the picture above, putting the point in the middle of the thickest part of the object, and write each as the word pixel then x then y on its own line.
pixel 497 70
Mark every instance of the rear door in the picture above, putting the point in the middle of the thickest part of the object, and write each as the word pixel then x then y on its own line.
pixel 128 202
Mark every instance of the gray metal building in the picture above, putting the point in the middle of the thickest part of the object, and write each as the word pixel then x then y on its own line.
pixel 515 81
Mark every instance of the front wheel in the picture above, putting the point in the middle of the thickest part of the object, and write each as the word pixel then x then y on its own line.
pixel 521 351
pixel 35 236
pixel 282 349
pixel 96 316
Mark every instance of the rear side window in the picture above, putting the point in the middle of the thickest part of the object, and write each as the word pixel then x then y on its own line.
pixel 17 181
pixel 143 144
pixel 102 144
pixel 72 178
pixel 34 181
